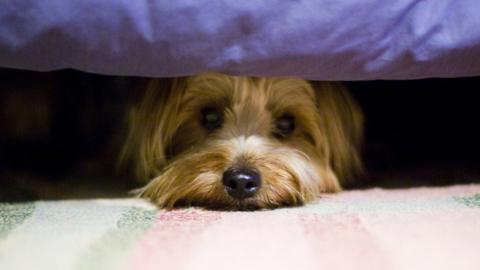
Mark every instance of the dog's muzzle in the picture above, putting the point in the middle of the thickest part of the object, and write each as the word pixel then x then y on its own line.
pixel 241 183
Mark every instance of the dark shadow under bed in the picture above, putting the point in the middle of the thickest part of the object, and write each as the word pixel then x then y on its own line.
pixel 60 131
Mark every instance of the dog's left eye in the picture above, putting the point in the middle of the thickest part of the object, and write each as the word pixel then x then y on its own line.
pixel 212 118
pixel 285 126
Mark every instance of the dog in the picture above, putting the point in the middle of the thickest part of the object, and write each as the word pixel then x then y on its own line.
pixel 244 143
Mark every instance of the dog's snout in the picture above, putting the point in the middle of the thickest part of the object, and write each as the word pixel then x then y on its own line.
pixel 241 183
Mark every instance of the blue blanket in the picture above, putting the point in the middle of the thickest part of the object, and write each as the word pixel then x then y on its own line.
pixel 314 39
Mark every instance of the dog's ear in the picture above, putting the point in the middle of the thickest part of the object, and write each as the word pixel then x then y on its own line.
pixel 152 124
pixel 342 125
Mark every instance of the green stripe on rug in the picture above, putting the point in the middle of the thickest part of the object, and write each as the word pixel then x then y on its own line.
pixel 110 250
pixel 12 215
pixel 473 201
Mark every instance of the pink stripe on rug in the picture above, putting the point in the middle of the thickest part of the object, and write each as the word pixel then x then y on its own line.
pixel 223 240
pixel 405 195
pixel 420 228
pixel 173 238
pixel 448 239
pixel 254 240
pixel 341 241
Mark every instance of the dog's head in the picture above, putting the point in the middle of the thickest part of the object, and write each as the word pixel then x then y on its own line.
pixel 241 142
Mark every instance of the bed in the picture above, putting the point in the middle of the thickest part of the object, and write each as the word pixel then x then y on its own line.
pixel 418 228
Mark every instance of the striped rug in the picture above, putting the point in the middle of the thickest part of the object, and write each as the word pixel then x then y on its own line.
pixel 421 228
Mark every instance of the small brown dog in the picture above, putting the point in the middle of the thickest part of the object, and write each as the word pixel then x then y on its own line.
pixel 230 142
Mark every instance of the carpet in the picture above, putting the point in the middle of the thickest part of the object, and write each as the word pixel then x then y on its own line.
pixel 419 228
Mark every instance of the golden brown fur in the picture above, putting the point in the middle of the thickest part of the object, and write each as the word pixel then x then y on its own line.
pixel 182 163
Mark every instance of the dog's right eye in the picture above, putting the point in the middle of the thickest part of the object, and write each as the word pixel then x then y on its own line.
pixel 212 118
pixel 285 126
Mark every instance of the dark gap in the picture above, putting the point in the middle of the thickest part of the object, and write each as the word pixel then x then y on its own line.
pixel 60 133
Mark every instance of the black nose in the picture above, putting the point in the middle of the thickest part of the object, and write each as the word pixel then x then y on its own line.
pixel 241 183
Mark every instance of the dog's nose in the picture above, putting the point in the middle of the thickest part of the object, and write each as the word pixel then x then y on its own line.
pixel 241 183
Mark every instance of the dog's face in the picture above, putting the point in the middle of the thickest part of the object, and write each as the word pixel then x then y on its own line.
pixel 230 142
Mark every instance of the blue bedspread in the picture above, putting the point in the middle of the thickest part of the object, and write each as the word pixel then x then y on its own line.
pixel 315 39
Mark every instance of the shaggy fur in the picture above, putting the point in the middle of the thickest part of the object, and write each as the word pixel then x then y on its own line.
pixel 182 162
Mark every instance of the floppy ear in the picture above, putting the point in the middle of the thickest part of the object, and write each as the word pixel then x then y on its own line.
pixel 342 123
pixel 152 124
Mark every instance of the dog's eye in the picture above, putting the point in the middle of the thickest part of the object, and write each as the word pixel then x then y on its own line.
pixel 212 118
pixel 285 126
